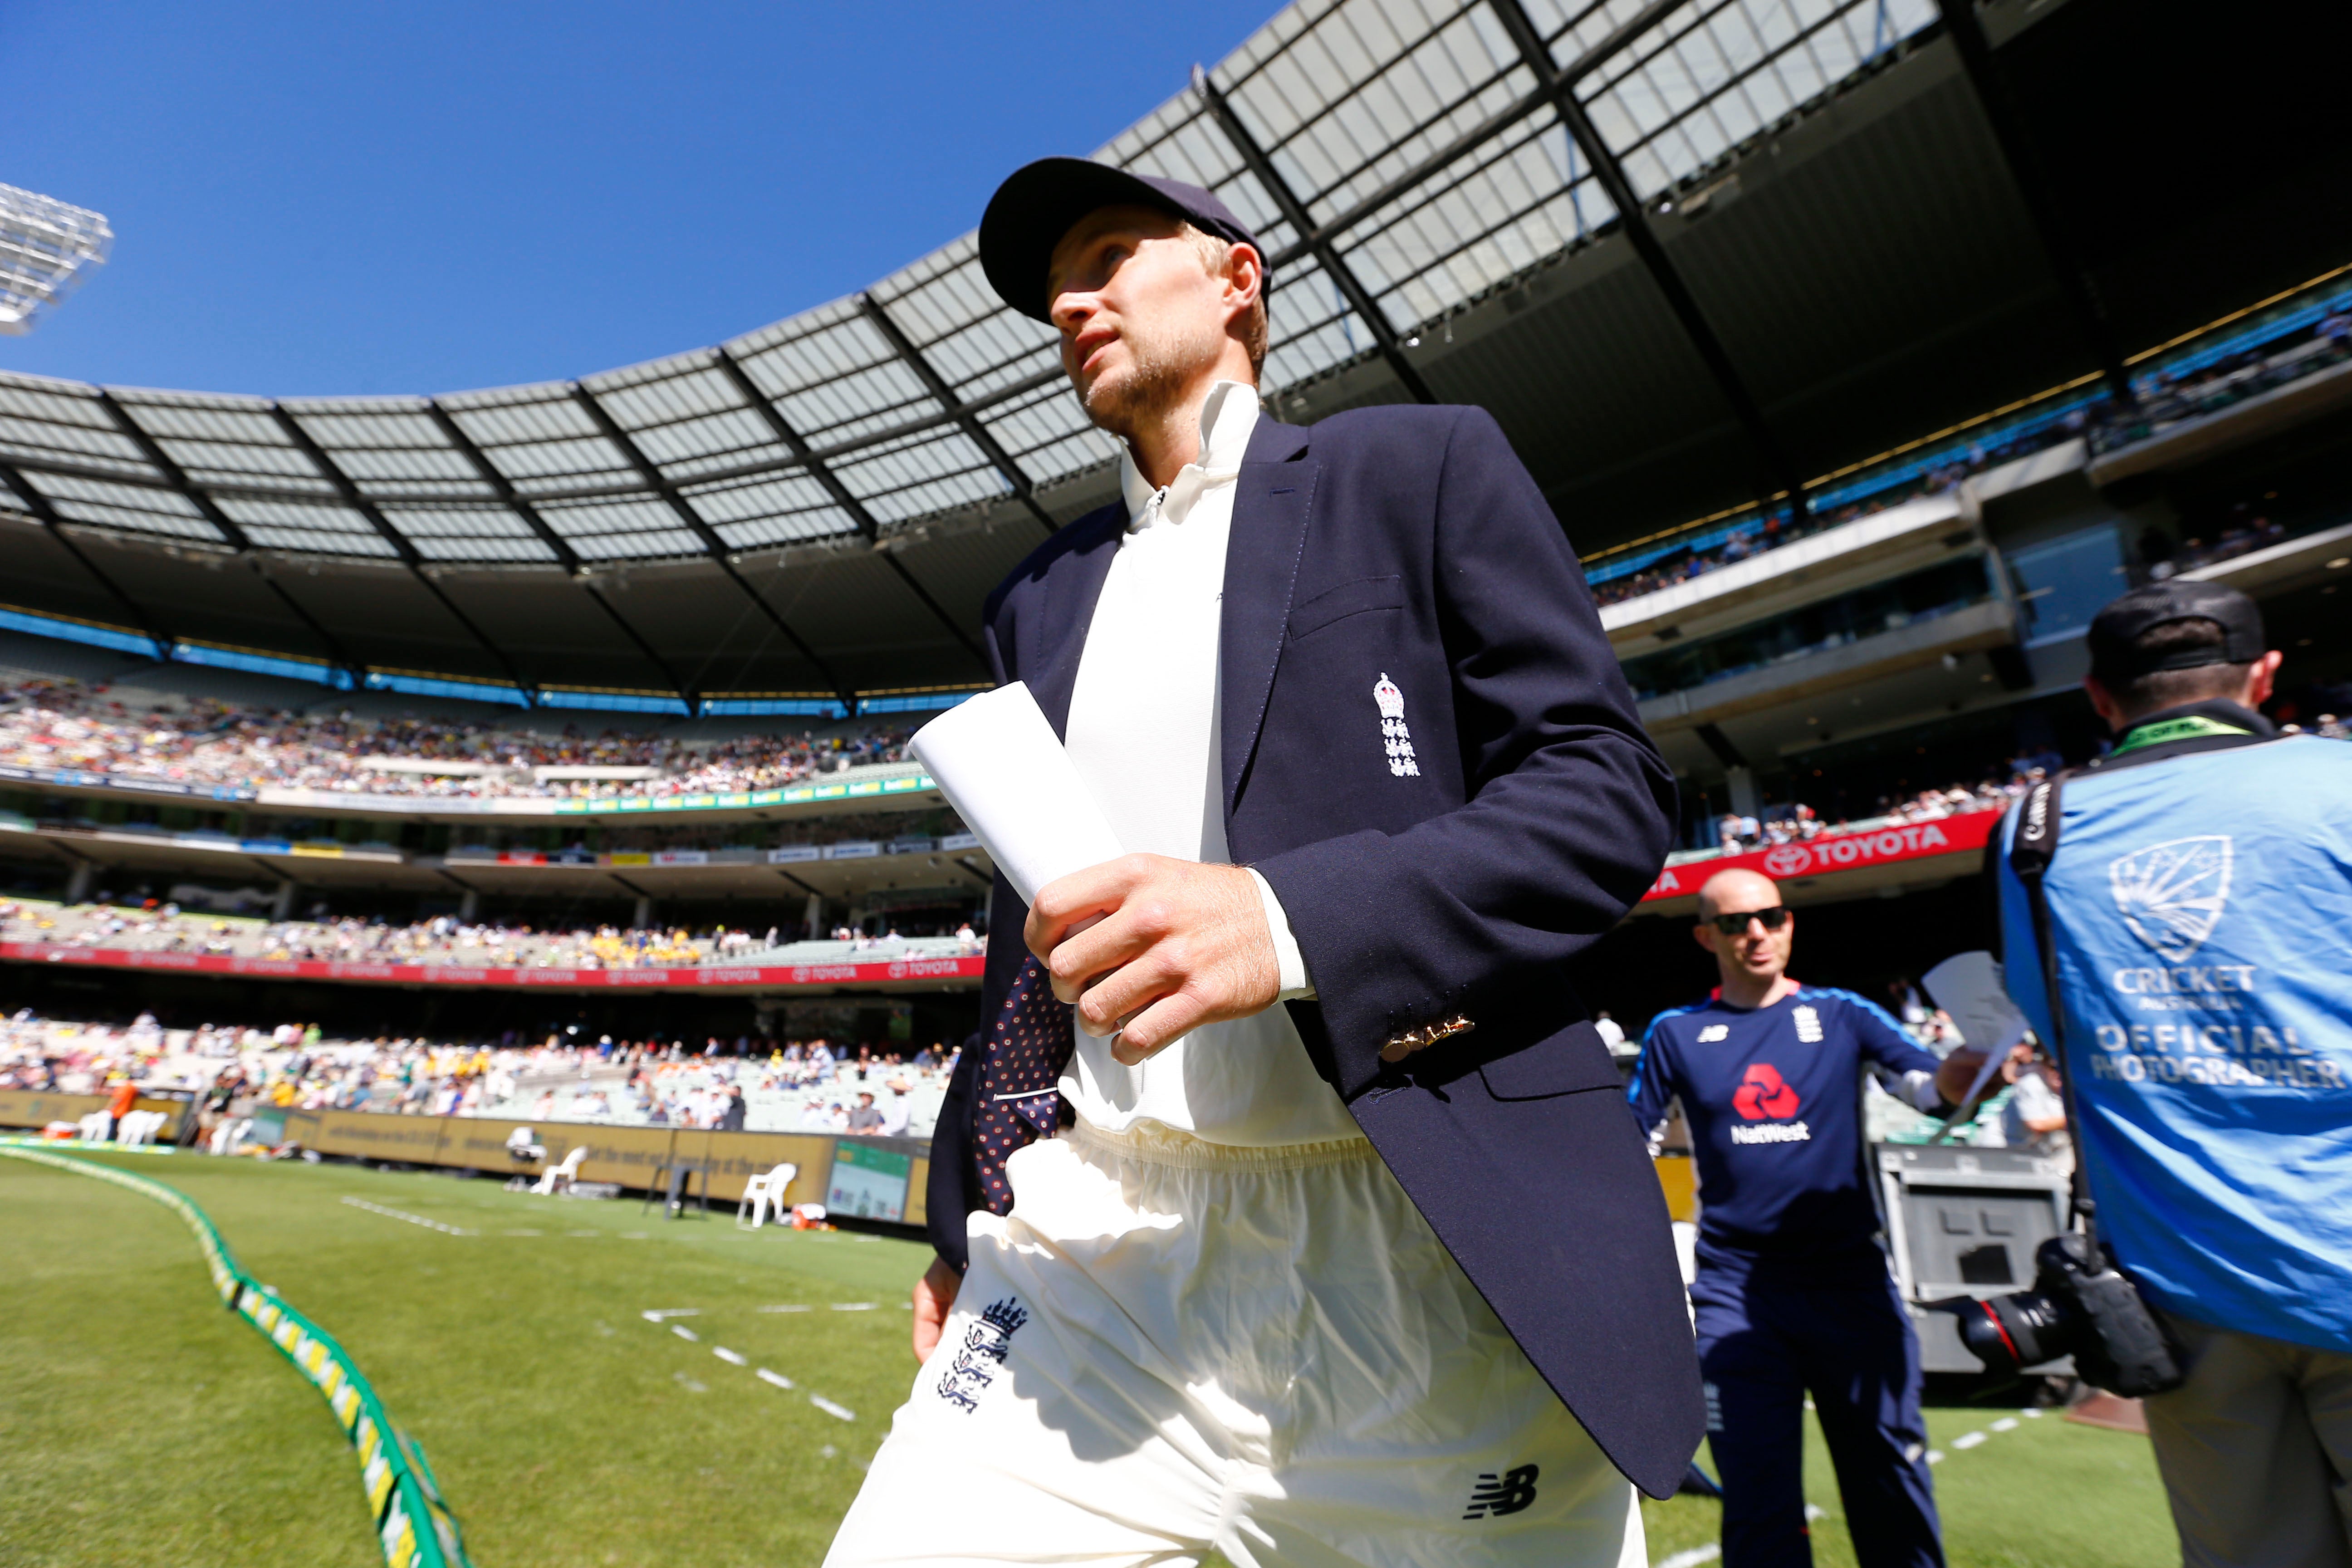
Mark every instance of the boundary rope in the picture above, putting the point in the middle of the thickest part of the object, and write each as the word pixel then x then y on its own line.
pixel 414 1525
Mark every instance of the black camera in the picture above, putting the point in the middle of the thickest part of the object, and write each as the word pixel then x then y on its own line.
pixel 2079 1306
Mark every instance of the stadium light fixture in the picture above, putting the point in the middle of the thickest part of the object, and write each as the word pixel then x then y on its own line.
pixel 47 250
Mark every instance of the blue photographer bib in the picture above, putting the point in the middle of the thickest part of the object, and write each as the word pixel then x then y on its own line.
pixel 2202 908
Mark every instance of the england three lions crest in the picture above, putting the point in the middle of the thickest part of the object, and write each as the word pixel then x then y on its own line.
pixel 2172 894
pixel 976 1361
pixel 1395 738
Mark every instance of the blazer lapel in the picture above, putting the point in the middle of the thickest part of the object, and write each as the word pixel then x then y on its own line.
pixel 1273 499
pixel 1073 586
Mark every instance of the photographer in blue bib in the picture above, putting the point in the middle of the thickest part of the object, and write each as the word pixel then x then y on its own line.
pixel 1793 1295
pixel 2185 901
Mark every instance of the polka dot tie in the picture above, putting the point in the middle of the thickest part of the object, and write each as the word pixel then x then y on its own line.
pixel 1029 1044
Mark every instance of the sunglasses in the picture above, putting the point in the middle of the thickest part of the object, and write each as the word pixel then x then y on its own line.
pixel 1772 918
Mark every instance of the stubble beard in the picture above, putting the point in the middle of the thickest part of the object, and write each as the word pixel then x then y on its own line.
pixel 1162 364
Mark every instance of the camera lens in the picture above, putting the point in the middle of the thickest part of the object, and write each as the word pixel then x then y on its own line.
pixel 2010 1332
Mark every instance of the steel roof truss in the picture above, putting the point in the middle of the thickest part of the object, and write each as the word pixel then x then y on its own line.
pixel 721 554
pixel 1778 472
pixel 1335 266
pixel 961 413
pixel 409 555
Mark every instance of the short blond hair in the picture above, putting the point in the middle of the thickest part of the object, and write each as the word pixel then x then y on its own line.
pixel 1216 256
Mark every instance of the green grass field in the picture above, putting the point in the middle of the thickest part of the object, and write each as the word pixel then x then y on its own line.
pixel 141 1424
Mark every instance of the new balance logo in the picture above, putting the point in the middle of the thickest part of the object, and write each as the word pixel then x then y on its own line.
pixel 1506 1494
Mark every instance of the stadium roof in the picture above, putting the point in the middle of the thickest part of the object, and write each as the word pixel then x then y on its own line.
pixel 1497 201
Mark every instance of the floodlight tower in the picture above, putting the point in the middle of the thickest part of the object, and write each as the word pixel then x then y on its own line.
pixel 47 250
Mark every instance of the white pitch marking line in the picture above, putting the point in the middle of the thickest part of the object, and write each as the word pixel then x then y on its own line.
pixel 1968 1439
pixel 1935 1455
pixel 682 1331
pixel 2005 1424
pixel 830 1408
pixel 790 1307
pixel 852 1306
pixel 732 1358
pixel 656 1314
pixel 411 1218
pixel 526 1232
pixel 691 1386
pixel 2031 1414
pixel 584 1233
pixel 776 1378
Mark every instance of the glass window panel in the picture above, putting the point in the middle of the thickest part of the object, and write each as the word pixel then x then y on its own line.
pixel 248 513
pixel 39 441
pixel 1711 75
pixel 315 541
pixel 920 476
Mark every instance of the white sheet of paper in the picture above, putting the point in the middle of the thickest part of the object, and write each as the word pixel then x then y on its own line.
pixel 1002 768
pixel 1968 986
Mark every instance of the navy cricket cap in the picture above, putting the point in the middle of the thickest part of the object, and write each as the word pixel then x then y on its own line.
pixel 2128 618
pixel 1040 202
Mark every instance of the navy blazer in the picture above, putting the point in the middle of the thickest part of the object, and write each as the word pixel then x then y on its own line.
pixel 1408 544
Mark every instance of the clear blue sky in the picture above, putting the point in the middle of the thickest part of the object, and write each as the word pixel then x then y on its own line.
pixel 428 196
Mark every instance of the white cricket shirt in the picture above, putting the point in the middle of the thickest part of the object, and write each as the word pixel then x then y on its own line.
pixel 1143 733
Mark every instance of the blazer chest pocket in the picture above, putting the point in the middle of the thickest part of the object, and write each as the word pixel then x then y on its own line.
pixel 1574 1061
pixel 1333 606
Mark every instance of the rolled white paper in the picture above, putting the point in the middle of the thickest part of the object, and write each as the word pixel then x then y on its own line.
pixel 1002 768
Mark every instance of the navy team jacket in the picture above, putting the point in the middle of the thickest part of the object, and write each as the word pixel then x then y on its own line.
pixel 1407 545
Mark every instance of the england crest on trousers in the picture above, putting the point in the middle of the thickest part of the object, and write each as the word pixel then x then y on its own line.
pixel 1395 738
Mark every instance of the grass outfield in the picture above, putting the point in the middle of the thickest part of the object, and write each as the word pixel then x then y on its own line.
pixel 140 1423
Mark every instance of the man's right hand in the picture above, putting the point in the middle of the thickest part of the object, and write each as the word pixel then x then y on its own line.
pixel 935 1296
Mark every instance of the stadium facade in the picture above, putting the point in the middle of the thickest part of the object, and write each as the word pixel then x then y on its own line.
pixel 1863 347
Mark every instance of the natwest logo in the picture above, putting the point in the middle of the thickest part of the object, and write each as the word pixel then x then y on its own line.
pixel 1763 1092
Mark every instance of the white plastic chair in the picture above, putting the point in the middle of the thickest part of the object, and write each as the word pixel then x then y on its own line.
pixel 562 1177
pixel 94 1127
pixel 139 1128
pixel 521 1144
pixel 230 1133
pixel 764 1193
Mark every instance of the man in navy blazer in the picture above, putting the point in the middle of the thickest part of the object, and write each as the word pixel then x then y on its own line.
pixel 1425 788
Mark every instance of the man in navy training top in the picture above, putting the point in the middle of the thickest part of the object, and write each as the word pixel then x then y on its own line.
pixel 1793 1293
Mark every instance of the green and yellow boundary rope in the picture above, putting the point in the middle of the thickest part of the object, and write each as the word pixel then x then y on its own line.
pixel 414 1526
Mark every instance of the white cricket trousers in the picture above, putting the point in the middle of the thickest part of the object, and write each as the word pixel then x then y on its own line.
pixel 1170 1345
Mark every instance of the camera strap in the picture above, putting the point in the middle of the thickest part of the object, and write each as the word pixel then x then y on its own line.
pixel 2029 855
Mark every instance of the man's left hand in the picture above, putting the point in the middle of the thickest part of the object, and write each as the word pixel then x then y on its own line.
pixel 1174 944
pixel 1959 1071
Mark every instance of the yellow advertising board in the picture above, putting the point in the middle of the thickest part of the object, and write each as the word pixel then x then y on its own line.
pixel 409 1140
pixel 38 1107
pixel 1679 1177
pixel 917 1188
pixel 632 1157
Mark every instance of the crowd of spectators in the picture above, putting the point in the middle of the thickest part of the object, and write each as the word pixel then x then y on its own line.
pixel 2164 399
pixel 441 941
pixel 1757 537
pixel 234 1072
pixel 50 724
pixel 1800 823
pixel 1794 822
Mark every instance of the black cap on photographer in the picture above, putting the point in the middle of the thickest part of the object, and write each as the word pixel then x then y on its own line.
pixel 2116 660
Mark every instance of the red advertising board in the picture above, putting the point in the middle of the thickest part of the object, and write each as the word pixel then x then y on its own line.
pixel 772 977
pixel 1837 852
